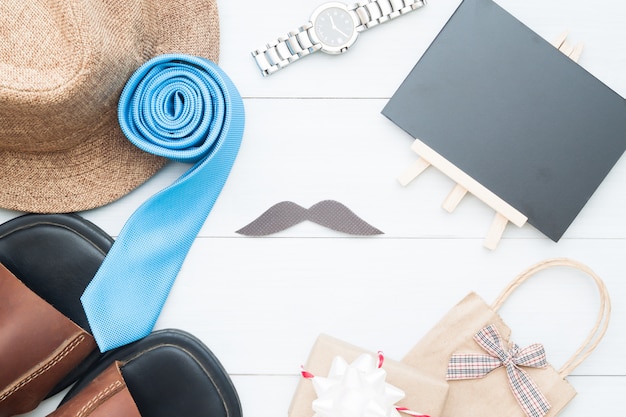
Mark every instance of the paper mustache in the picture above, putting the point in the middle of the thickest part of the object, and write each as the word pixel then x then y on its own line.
pixel 328 213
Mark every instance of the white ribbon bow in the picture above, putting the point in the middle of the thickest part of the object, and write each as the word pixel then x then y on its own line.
pixel 356 390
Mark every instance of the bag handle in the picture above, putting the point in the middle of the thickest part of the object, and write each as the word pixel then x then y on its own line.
pixel 602 322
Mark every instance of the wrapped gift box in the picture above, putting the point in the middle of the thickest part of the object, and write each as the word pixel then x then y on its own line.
pixel 424 394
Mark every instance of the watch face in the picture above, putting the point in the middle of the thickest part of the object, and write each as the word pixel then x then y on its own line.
pixel 335 27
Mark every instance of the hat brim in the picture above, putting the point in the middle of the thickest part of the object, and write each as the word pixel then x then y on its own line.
pixel 105 166
pixel 98 171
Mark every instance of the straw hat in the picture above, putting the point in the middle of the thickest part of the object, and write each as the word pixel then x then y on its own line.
pixel 63 64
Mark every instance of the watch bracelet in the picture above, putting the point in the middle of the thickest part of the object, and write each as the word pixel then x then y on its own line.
pixel 375 12
pixel 286 49
pixel 297 44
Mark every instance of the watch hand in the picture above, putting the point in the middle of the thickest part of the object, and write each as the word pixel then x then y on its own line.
pixel 338 30
pixel 332 24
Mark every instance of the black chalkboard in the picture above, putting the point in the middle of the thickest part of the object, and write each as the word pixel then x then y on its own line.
pixel 514 113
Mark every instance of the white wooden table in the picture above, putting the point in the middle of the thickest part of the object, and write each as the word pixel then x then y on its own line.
pixel 314 131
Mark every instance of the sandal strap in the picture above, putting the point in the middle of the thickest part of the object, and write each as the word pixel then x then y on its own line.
pixel 38 346
pixel 106 395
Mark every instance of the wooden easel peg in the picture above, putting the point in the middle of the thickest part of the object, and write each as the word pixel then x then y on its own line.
pixel 559 40
pixel 413 171
pixel 454 198
pixel 562 45
pixel 495 231
pixel 575 54
pixel 566 48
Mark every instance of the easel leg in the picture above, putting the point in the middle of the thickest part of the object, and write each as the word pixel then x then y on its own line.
pixel 454 198
pixel 413 171
pixel 495 231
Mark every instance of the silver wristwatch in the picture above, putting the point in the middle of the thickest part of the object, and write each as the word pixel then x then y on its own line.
pixel 333 29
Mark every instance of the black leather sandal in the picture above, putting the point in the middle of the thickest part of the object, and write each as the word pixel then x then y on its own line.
pixel 168 373
pixel 46 260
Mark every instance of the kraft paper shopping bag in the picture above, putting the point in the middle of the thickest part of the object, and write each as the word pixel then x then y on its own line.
pixel 488 374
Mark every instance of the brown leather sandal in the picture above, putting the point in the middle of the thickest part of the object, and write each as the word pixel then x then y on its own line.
pixel 45 342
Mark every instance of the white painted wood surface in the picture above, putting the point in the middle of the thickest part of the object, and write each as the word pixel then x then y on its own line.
pixel 314 131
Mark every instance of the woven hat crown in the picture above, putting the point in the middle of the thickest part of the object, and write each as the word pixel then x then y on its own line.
pixel 62 64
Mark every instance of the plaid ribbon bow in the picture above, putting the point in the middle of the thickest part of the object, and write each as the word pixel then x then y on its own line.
pixel 473 365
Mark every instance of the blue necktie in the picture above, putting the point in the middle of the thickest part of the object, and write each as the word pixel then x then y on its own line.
pixel 187 109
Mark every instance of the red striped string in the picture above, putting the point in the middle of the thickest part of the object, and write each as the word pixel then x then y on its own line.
pixel 411 413
pixel 306 374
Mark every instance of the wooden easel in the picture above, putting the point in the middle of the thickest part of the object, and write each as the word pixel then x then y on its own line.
pixel 505 213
